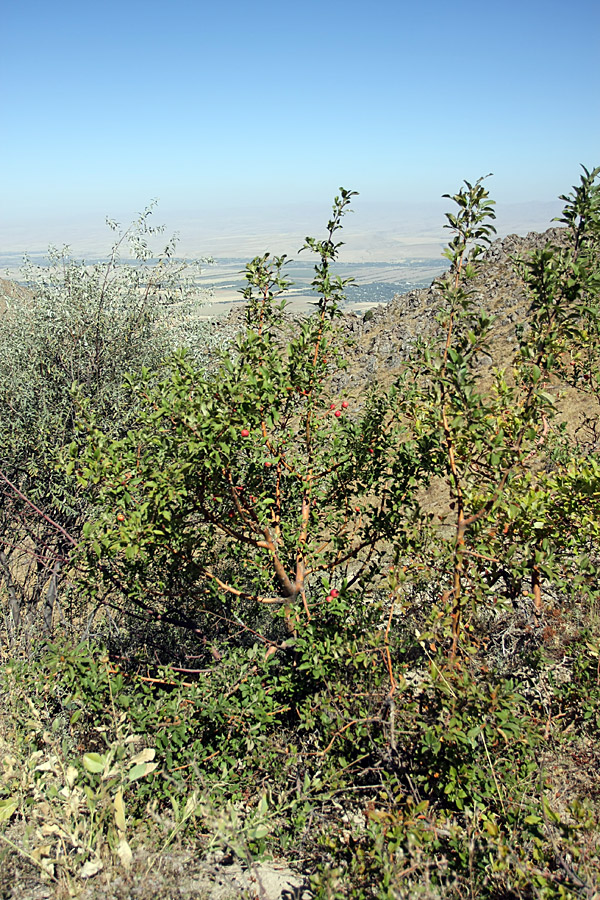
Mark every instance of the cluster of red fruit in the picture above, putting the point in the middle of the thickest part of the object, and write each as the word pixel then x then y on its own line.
pixel 333 593
pixel 337 412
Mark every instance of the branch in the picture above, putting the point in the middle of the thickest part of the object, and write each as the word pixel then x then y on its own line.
pixel 37 510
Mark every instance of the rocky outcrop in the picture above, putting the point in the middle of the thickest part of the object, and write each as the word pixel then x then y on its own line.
pixel 384 338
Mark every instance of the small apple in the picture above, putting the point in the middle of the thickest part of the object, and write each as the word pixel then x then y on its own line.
pixel 120 517
pixel 334 593
pixel 345 404
pixel 244 432
pixel 337 413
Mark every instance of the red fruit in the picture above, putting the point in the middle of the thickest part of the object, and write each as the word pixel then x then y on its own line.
pixel 345 404
pixel 334 593
pixel 332 406
pixel 268 465
pixel 371 450
pixel 245 432
pixel 337 413
pixel 120 517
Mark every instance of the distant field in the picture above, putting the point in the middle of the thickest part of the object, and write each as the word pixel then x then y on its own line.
pixel 374 282
pixel 388 248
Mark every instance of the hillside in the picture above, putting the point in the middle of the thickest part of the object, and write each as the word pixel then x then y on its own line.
pixel 384 340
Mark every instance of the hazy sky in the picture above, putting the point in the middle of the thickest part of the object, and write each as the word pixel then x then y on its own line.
pixel 104 106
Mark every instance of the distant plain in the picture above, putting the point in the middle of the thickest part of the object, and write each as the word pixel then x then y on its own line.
pixel 388 248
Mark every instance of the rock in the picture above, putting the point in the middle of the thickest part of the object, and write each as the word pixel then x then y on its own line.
pixel 262 881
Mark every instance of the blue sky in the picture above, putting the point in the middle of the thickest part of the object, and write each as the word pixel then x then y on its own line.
pixel 237 104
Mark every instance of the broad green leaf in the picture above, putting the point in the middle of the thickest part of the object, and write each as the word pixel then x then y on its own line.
pixel 491 828
pixel 7 808
pixel 94 763
pixel 141 770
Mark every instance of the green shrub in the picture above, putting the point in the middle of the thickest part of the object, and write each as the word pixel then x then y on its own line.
pixel 81 326
pixel 370 685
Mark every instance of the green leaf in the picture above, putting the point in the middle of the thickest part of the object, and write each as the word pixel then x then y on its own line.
pixel 491 828
pixel 94 763
pixel 7 808
pixel 141 770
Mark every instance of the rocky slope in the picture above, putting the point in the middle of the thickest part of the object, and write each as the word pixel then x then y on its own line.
pixel 384 338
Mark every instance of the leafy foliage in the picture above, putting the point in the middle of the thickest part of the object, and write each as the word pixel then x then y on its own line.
pixel 83 325
pixel 249 493
pixel 399 697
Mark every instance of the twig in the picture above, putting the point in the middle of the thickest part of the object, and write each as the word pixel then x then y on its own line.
pixel 36 509
pixel 28 856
